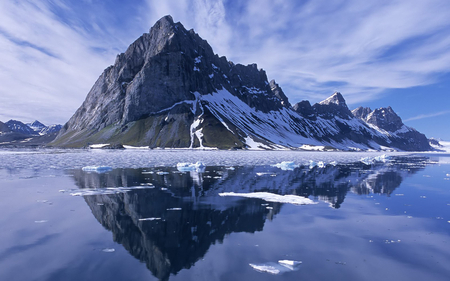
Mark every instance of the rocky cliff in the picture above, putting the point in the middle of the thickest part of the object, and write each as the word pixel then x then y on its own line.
pixel 170 90
pixel 389 123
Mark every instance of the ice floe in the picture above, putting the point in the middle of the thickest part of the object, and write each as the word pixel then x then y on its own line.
pixel 98 146
pixel 187 167
pixel 286 165
pixel 109 250
pixel 271 197
pixel 97 169
pixel 276 268
pixel 108 190
pixel 149 219
pixel 319 164
pixel 372 160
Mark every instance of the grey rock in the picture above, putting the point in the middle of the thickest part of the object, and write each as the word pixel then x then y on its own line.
pixel 386 119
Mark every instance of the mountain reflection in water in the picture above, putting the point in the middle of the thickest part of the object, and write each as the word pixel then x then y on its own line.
pixel 175 217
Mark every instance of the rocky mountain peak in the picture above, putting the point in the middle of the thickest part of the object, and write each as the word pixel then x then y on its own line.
pixel 278 92
pixel 333 106
pixel 36 126
pixel 361 112
pixel 384 118
pixel 336 99
pixel 4 128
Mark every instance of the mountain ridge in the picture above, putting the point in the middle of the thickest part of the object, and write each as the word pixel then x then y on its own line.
pixel 170 90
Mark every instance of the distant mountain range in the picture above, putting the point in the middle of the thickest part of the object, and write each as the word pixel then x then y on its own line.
pixel 17 133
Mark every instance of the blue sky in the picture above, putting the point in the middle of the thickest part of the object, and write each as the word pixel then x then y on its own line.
pixel 376 53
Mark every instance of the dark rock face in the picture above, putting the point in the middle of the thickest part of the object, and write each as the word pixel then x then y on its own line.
pixel 333 106
pixel 305 109
pixel 19 127
pixel 169 89
pixel 278 92
pixel 386 119
pixel 4 128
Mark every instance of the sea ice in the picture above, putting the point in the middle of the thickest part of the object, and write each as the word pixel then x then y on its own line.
pixel 97 169
pixel 187 167
pixel 271 197
pixel 276 268
pixel 371 160
pixel 149 219
pixel 286 165
pixel 109 250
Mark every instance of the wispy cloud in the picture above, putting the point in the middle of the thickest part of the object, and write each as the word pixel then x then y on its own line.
pixel 50 57
pixel 424 116
pixel 310 47
pixel 52 51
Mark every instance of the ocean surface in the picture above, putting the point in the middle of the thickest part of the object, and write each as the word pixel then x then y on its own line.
pixel 223 215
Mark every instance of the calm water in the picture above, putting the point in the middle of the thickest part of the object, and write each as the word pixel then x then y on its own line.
pixel 143 219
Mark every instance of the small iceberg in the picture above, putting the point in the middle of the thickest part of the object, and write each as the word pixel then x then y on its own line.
pixel 286 165
pixel 319 164
pixel 149 219
pixel 276 268
pixel 271 197
pixel 372 160
pixel 188 167
pixel 109 250
pixel 97 169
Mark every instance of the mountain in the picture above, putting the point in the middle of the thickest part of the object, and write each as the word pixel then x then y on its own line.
pixel 36 126
pixel 4 128
pixel 170 90
pixel 19 127
pixel 387 122
pixel 17 133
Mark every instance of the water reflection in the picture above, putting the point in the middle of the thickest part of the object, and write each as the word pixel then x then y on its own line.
pixel 172 220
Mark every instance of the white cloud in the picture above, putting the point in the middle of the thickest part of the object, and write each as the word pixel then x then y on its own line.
pixel 312 48
pixel 424 116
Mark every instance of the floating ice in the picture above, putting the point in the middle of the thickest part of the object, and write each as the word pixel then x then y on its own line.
pixel 109 190
pixel 276 268
pixel 97 169
pixel 149 219
pixel 289 262
pixel 286 165
pixel 271 197
pixel 109 250
pixel 162 173
pixel 97 146
pixel 187 167
pixel 271 268
pixel 319 164
pixel 372 160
